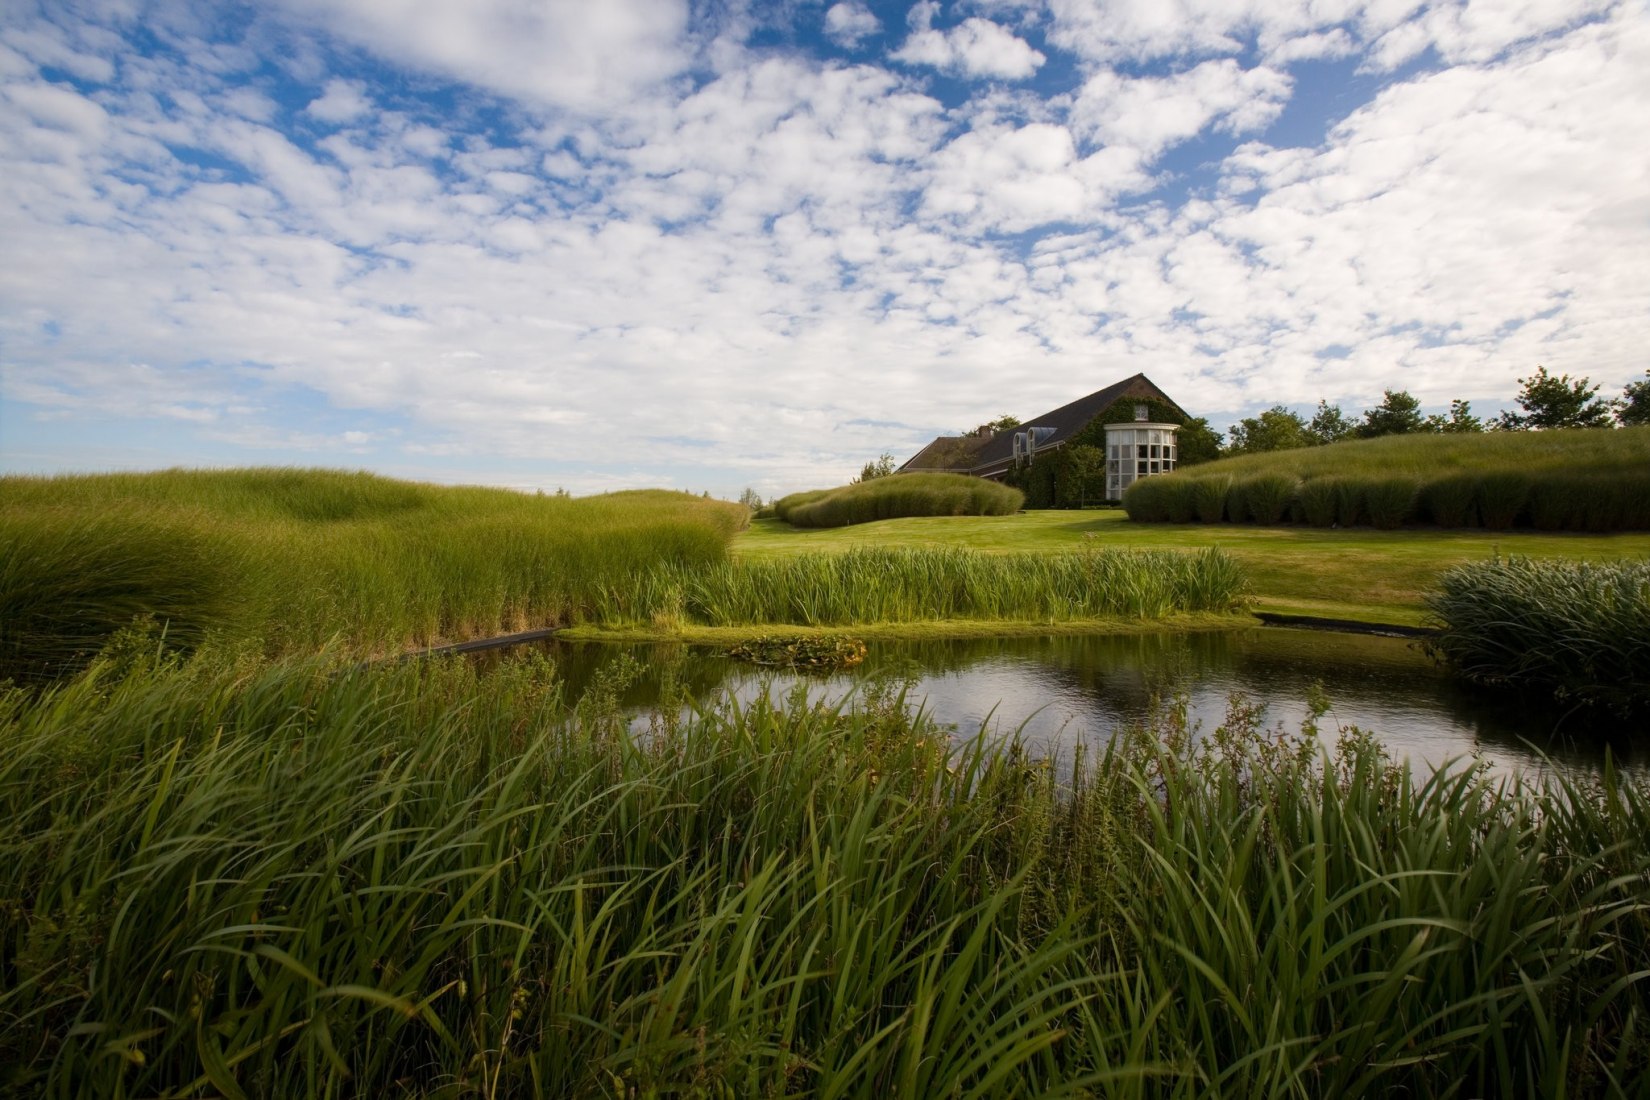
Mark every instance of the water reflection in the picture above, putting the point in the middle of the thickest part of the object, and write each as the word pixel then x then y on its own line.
pixel 1062 690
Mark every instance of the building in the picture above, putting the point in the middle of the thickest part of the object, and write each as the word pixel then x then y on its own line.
pixel 1135 445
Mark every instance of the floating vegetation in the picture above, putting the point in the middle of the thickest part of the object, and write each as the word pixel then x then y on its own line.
pixel 800 651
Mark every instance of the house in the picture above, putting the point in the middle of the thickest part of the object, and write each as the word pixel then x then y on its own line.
pixel 1135 444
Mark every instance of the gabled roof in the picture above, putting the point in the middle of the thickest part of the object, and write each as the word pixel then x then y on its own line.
pixel 947 453
pixel 1067 420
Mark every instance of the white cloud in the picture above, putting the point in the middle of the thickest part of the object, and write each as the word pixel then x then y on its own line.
pixel 976 47
pixel 1152 113
pixel 340 101
pixel 850 22
pixel 569 53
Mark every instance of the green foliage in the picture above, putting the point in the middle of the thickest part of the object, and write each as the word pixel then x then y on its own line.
pixel 1391 502
pixel 1577 630
pixel 1552 401
pixel 784 505
pixel 1262 499
pixel 800 651
pixel 426 880
pixel 1315 501
pixel 1148 500
pixel 1349 500
pixel 1044 479
pixel 905 495
pixel 1209 498
pixel 1452 501
pixel 1633 410
pixel 1460 419
pixel 284 560
pixel 1276 429
pixel 1196 443
pixel 1084 469
pixel 880 467
pixel 1330 425
pixel 1501 497
pixel 1397 414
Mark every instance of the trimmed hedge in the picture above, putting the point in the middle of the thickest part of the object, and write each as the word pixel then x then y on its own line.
pixel 898 496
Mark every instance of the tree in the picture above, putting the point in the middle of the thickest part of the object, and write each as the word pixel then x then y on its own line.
pixel 1196 442
pixel 1556 402
pixel 1329 425
pixel 1634 407
pixel 1083 464
pixel 1001 424
pixel 1460 419
pixel 1276 429
pixel 880 467
pixel 751 499
pixel 1397 414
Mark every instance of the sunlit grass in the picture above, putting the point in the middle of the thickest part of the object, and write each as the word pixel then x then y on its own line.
pixel 896 496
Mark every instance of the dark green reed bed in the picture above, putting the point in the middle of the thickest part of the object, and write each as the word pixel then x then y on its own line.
pixel 429 880
pixel 1579 631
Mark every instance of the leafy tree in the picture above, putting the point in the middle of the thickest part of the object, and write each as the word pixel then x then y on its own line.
pixel 1083 465
pixel 1556 402
pixel 1196 442
pixel 1276 429
pixel 1634 407
pixel 1460 419
pixel 1001 424
pixel 751 499
pixel 1397 414
pixel 880 467
pixel 1330 425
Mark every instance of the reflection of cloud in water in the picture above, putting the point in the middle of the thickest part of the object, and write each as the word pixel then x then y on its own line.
pixel 1058 691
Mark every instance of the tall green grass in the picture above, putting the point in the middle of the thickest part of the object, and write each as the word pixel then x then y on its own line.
pixel 923 585
pixel 1577 630
pixel 1558 481
pixel 902 495
pixel 285 560
pixel 420 881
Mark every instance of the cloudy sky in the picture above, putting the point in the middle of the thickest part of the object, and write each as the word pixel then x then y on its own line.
pixel 712 244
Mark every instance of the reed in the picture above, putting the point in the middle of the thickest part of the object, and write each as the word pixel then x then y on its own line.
pixel 1265 498
pixel 431 880
pixel 1315 502
pixel 1579 631
pixel 1391 502
pixel 903 495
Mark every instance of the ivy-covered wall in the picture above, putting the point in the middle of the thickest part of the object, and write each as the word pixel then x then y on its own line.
pixel 1048 482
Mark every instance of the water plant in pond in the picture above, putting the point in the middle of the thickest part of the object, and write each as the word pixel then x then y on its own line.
pixel 428 880
pixel 800 651
pixel 1579 631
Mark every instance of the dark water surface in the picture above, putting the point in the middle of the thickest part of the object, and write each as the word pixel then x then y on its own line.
pixel 1062 690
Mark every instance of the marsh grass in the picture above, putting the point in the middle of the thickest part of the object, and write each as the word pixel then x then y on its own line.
pixel 865 585
pixel 1497 480
pixel 1579 631
pixel 898 496
pixel 285 560
pixel 424 880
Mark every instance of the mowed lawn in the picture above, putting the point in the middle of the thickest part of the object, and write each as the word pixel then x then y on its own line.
pixel 1357 573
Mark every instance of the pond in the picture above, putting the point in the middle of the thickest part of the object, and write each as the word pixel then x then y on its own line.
pixel 1060 690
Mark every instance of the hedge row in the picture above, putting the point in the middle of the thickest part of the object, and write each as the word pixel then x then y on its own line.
pixel 900 495
pixel 1496 500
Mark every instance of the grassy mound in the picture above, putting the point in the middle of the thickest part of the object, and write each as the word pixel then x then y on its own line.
pixel 1577 630
pixel 422 880
pixel 1581 480
pixel 901 495
pixel 288 559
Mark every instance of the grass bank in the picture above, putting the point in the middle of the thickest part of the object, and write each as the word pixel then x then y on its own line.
pixel 286 560
pixel 283 881
pixel 1578 480
pixel 1362 574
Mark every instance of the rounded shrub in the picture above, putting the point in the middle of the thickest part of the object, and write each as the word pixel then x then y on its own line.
pixel 1315 502
pixel 1349 501
pixel 1147 501
pixel 1390 502
pixel 1209 498
pixel 1501 498
pixel 1451 501
pixel 1263 499
pixel 906 495
pixel 1180 499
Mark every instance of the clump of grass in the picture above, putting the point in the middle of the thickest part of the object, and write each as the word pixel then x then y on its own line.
pixel 1150 500
pixel 922 585
pixel 783 506
pixel 1452 501
pixel 1209 498
pixel 424 879
pixel 1265 498
pixel 1579 631
pixel 1315 502
pixel 902 495
pixel 1501 497
pixel 1391 501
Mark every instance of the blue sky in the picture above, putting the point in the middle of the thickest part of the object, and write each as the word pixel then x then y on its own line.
pixel 712 245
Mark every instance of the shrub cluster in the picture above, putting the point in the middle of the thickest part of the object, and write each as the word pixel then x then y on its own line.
pixel 901 495
pixel 1579 631
pixel 1498 500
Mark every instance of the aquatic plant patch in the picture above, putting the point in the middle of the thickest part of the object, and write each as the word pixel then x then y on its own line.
pixel 800 651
